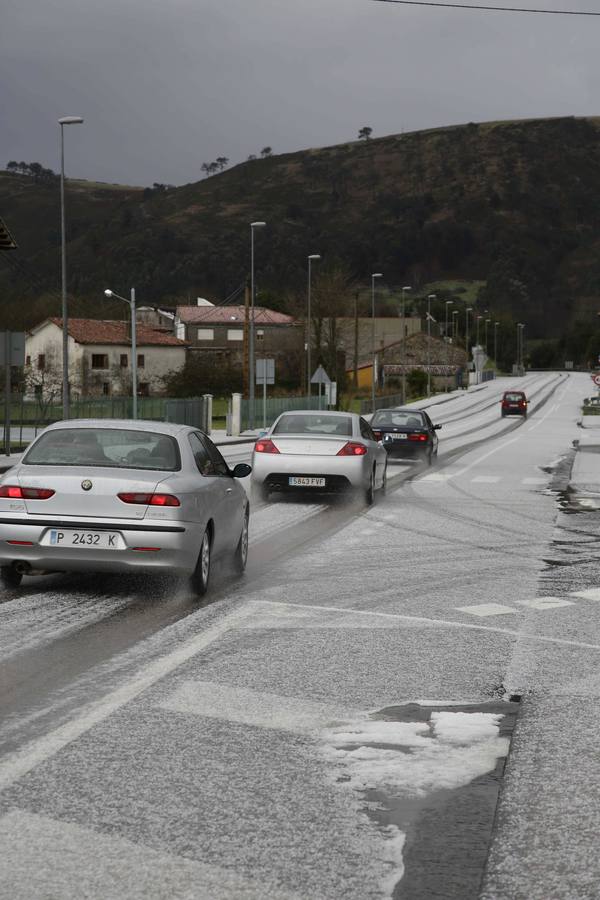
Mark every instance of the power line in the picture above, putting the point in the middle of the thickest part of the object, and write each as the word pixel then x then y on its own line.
pixel 514 9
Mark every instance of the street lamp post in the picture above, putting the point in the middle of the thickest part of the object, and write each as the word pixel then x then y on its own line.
pixel 448 303
pixel 66 120
pixel 487 322
pixel 131 302
pixel 373 277
pixel 496 343
pixel 477 320
pixel 406 288
pixel 251 366
pixel 430 297
pixel 454 325
pixel 467 311
pixel 312 256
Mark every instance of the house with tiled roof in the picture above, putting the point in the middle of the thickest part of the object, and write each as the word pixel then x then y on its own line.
pixel 220 330
pixel 443 360
pixel 100 357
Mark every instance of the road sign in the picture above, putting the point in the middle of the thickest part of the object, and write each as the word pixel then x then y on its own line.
pixel 265 371
pixel 596 380
pixel 320 377
pixel 16 349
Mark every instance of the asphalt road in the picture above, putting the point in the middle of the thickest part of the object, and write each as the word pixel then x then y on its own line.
pixel 332 724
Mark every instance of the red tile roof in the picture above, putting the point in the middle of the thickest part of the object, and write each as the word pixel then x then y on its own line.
pixel 108 331
pixel 225 315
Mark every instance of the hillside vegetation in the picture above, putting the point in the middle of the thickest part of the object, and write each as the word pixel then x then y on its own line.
pixel 513 204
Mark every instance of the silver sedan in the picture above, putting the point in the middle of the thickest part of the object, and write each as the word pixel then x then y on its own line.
pixel 121 496
pixel 320 452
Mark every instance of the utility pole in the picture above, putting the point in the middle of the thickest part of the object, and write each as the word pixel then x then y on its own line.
pixel 356 339
pixel 246 335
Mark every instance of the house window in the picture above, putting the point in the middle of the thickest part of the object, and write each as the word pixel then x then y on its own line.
pixel 27 360
pixel 141 361
pixel 99 361
pixel 106 388
pixel 260 335
pixel 41 361
pixel 123 359
pixel 235 334
pixel 206 334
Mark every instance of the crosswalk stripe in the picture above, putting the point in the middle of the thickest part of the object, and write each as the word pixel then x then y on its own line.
pixel 485 479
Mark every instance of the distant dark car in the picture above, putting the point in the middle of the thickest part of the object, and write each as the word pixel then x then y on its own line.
pixel 406 433
pixel 513 403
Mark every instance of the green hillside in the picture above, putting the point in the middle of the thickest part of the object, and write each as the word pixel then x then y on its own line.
pixel 514 204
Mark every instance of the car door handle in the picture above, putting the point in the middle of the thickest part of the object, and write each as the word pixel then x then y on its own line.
pixel 228 490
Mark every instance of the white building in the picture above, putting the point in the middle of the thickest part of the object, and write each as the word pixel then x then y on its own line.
pixel 99 358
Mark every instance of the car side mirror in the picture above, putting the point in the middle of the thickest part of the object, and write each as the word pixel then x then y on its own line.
pixel 241 470
pixel 436 427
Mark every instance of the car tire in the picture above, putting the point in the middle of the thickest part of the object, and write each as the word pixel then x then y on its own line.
pixel 384 479
pixel 370 491
pixel 201 575
pixel 9 577
pixel 241 551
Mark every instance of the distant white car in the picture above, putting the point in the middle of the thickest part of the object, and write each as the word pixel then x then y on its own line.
pixel 121 496
pixel 319 452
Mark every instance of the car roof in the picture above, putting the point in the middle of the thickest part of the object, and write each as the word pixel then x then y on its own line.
pixel 169 428
pixel 317 412
pixel 514 391
pixel 399 409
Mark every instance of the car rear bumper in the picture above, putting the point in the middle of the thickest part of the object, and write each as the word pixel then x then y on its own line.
pixel 273 471
pixel 407 449
pixel 171 546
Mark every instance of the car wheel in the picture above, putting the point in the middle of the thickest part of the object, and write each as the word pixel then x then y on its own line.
pixel 201 575
pixel 370 491
pixel 384 480
pixel 241 551
pixel 9 577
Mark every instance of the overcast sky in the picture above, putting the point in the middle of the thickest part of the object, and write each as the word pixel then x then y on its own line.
pixel 165 85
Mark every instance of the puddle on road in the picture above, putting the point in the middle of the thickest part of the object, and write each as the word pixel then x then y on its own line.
pixel 430 777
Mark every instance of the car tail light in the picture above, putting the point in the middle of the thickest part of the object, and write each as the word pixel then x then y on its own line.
pixel 417 437
pixel 352 448
pixel 377 435
pixel 150 499
pixel 21 543
pixel 265 446
pixel 15 492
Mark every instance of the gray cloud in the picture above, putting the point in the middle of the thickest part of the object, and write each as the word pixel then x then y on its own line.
pixel 165 86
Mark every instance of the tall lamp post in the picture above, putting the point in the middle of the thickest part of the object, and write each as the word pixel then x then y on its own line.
pixel 430 297
pixel 487 322
pixel 66 120
pixel 312 256
pixel 496 343
pixel 467 311
pixel 454 325
pixel 251 366
pixel 373 277
pixel 448 303
pixel 405 290
pixel 131 302
pixel 477 320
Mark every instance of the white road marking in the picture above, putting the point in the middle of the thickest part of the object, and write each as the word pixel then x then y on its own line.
pixel 486 609
pixel 534 481
pixel 256 708
pixel 543 419
pixel 545 603
pixel 592 594
pixel 485 479
pixel 431 623
pixel 21 762
pixel 435 476
pixel 45 857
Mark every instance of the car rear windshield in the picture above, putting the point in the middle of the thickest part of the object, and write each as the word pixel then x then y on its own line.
pixel 314 424
pixel 514 398
pixel 397 419
pixel 119 448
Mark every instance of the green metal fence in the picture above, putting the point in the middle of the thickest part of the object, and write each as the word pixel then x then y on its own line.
pixel 386 402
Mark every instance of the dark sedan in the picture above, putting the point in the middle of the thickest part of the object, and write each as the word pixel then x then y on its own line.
pixel 406 433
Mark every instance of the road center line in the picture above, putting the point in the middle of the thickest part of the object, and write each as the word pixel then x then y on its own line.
pixel 38 751
pixel 434 623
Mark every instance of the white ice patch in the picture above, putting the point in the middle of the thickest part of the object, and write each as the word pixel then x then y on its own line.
pixel 413 759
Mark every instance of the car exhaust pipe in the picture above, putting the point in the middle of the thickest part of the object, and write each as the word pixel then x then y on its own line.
pixel 25 568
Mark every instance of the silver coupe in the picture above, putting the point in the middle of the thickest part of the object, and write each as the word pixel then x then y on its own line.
pixel 319 452
pixel 121 496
